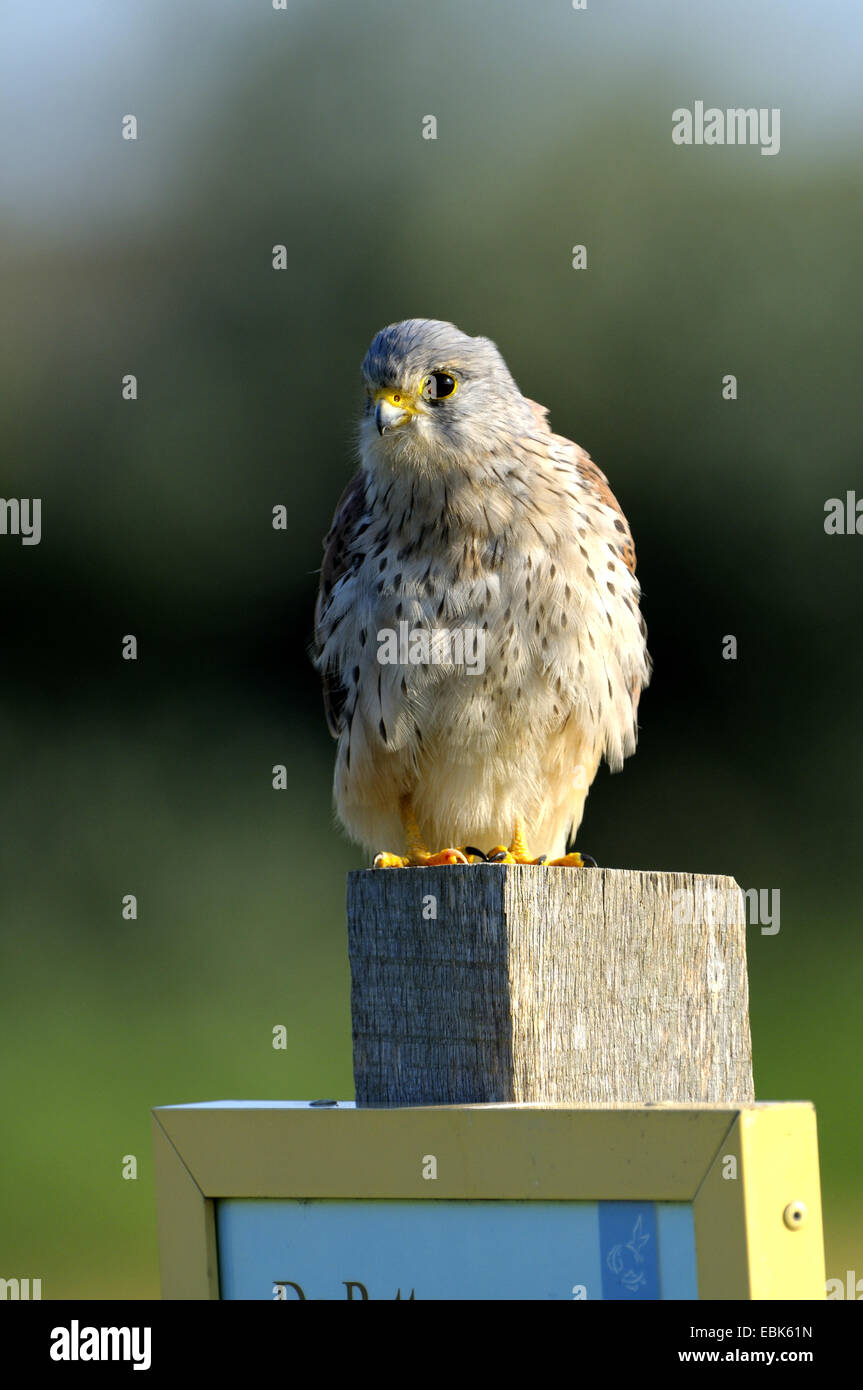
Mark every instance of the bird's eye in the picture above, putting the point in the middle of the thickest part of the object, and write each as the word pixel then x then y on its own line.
pixel 438 385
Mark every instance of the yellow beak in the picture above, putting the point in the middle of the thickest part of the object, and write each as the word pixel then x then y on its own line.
pixel 391 410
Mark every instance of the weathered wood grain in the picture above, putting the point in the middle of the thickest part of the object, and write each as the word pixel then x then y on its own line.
pixel 571 986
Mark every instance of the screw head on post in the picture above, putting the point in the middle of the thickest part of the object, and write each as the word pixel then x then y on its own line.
pixel 794 1215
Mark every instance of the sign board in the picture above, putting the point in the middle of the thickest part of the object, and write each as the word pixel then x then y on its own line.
pixel 456 1250
pixel 291 1200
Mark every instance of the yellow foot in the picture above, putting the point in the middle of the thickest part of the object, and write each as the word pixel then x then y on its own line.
pixel 518 853
pixel 420 860
pixel 501 855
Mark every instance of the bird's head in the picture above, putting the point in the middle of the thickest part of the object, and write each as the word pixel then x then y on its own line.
pixel 435 396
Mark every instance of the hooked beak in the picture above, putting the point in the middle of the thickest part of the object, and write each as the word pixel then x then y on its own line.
pixel 388 416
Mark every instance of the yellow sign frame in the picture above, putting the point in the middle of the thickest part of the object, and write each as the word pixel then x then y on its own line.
pixel 749 1171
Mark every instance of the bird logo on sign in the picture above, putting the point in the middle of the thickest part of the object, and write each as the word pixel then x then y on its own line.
pixel 622 1265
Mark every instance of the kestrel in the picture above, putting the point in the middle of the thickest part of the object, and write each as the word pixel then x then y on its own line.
pixel 477 627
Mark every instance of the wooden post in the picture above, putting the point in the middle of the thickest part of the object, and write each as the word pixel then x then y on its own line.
pixel 488 983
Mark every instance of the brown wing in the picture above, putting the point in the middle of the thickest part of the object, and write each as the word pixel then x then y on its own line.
pixel 597 483
pixel 541 413
pixel 340 559
pixel 592 476
pixel 594 480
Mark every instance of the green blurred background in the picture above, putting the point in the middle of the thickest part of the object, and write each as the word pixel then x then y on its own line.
pixel 303 127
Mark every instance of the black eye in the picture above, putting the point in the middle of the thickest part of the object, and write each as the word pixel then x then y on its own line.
pixel 438 385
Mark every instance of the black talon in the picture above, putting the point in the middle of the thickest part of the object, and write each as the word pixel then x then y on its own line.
pixel 480 854
pixel 589 861
pixel 496 858
pixel 543 859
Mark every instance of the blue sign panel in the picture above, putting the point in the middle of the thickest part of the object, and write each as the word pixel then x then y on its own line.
pixel 627 1239
pixel 301 1249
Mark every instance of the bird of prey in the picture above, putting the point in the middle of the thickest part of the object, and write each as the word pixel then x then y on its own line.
pixel 477 626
